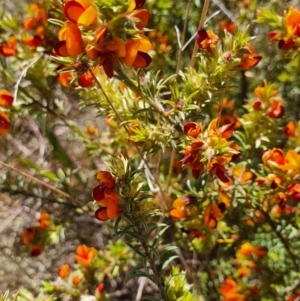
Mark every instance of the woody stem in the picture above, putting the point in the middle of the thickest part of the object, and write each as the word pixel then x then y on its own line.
pixel 201 24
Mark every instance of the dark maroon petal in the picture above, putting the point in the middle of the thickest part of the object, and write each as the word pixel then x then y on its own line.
pixel 139 3
pixel 108 68
pixel 98 192
pixel 187 159
pixel 201 36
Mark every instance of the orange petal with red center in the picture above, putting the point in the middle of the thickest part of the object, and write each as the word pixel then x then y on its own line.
pixel 142 60
pixel 74 42
pixel 6 99
pixel 4 123
pixel 101 214
pixel 143 17
pixel 32 41
pixel 73 10
pixel 60 48
pixel 87 17
pixel 131 52
pixel 145 44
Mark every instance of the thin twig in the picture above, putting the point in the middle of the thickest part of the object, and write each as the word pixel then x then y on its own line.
pixel 23 74
pixel 140 289
pixel 201 24
pixel 183 36
pixel 54 189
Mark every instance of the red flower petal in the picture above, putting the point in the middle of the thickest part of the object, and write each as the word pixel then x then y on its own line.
pixel 73 10
pixel 101 214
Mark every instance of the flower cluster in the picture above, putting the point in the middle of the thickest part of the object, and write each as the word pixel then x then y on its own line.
pixel 6 100
pixel 34 24
pixel 287 30
pixel 209 149
pixel 33 32
pixel 94 36
pixel 105 197
pixel 268 101
pixel 282 180
pixel 246 57
pixel 85 255
pixel 34 237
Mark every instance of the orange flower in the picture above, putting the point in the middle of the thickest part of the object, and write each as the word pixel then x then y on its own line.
pixel 212 213
pixel 228 26
pixel 229 286
pixel 71 42
pixel 206 39
pixel 179 209
pixel 106 178
pixel 241 174
pixel 250 59
pixel 4 123
pixel 295 296
pixel 293 22
pixel 142 16
pixel 44 220
pixel 136 52
pixel 247 249
pixel 192 129
pixel 276 110
pixel 64 271
pixel 243 272
pixel 85 255
pixel 28 235
pixel 290 129
pixel 80 12
pixel 274 157
pixel 76 279
pixel 9 49
pixel 64 78
pixel 6 99
pixel 110 207
pixel 32 41
pixel 229 290
pixel 294 192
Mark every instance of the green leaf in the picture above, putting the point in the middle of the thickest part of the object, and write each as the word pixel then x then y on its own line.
pixel 166 250
pixel 166 263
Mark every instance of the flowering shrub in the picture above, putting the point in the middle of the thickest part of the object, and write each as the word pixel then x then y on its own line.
pixel 159 145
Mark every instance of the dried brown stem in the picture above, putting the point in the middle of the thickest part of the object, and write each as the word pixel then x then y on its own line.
pixel 201 24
